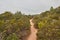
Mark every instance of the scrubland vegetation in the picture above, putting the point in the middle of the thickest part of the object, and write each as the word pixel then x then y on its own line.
pixel 14 26
pixel 17 26
pixel 48 24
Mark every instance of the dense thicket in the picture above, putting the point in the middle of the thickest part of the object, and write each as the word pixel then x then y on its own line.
pixel 48 24
pixel 14 26
pixel 17 27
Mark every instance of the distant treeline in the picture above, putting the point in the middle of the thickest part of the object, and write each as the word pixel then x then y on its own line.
pixel 48 24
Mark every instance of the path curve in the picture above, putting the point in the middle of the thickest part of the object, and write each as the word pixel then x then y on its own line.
pixel 32 36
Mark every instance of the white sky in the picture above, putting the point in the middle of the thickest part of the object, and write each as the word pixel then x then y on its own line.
pixel 27 6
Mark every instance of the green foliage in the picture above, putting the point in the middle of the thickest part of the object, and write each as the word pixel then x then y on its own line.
pixel 14 26
pixel 51 9
pixel 12 37
pixel 48 24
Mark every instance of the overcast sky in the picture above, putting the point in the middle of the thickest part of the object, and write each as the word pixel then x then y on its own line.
pixel 27 6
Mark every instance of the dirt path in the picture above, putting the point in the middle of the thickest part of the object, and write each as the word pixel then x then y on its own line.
pixel 32 36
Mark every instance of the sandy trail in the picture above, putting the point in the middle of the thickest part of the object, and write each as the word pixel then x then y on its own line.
pixel 32 36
